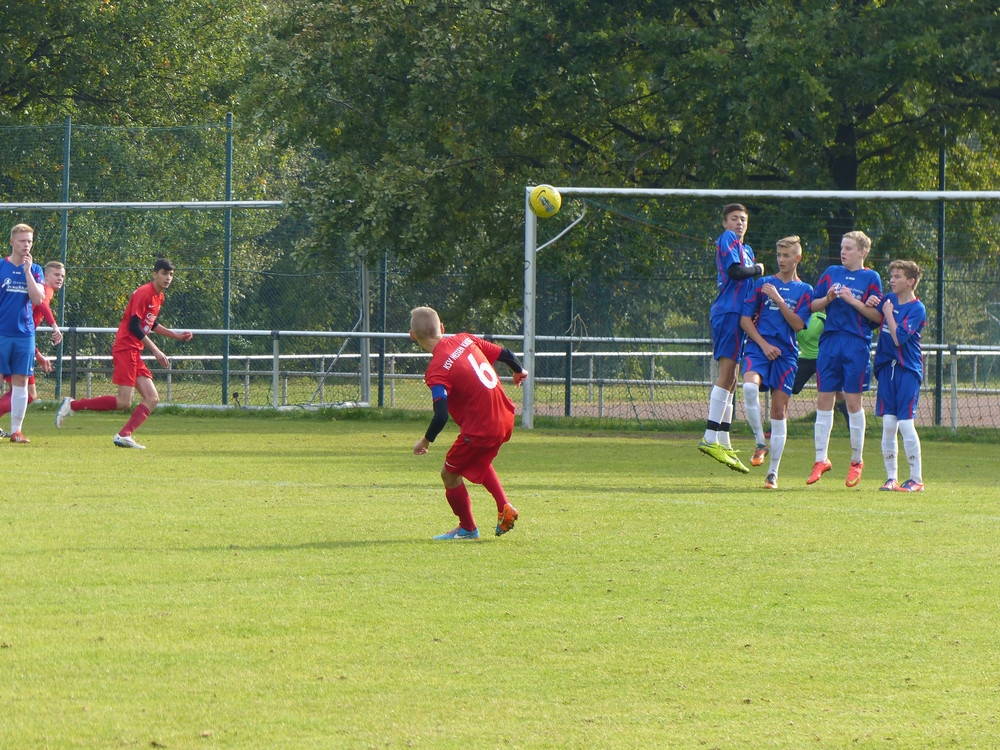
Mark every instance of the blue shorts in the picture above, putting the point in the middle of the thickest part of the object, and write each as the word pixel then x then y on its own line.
pixel 844 364
pixel 17 355
pixel 775 374
pixel 727 336
pixel 898 392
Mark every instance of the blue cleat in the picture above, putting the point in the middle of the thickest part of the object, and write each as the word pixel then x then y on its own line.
pixel 459 533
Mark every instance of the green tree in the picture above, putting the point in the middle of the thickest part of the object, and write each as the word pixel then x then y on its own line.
pixel 147 85
pixel 147 62
pixel 430 117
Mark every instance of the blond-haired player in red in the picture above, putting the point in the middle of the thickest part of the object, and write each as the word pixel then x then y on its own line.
pixel 465 386
pixel 141 318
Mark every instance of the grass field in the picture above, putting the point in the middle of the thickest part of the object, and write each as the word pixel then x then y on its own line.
pixel 253 582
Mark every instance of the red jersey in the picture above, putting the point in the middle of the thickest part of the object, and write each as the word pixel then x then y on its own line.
pixel 463 365
pixel 38 311
pixel 145 304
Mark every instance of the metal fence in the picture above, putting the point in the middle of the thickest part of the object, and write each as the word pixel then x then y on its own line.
pixel 616 385
pixel 620 302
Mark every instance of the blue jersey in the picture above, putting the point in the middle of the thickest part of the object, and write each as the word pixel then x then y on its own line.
pixel 771 324
pixel 732 292
pixel 910 321
pixel 15 306
pixel 840 316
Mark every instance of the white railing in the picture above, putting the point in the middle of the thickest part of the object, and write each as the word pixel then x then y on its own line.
pixel 280 369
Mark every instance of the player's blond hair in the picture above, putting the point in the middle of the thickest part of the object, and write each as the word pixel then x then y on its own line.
pixel 54 265
pixel 910 269
pixel 19 228
pixel 793 242
pixel 862 240
pixel 424 322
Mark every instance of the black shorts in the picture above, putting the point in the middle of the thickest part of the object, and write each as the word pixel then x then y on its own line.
pixel 807 368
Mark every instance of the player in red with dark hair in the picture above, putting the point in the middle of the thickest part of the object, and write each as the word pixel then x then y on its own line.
pixel 130 372
pixel 464 385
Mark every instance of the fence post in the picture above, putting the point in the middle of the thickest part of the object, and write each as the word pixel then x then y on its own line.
pixel 322 380
pixel 953 350
pixel 63 242
pixel 275 366
pixel 392 381
pixel 227 261
pixel 246 384
pixel 568 405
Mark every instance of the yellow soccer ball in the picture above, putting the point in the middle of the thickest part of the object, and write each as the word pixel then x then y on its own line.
pixel 545 201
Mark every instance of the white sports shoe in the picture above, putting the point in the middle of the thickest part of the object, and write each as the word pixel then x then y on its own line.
pixel 126 441
pixel 65 410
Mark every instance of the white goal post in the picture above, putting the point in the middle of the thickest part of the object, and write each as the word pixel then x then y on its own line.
pixel 531 237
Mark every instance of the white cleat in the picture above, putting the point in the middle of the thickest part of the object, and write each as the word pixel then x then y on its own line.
pixel 126 441
pixel 65 410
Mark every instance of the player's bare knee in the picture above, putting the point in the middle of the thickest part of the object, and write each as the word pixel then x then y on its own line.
pixel 450 480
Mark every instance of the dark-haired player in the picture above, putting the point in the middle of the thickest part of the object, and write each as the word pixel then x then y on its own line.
pixel 130 372
pixel 736 270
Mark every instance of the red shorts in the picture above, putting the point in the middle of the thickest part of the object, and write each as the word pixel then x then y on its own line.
pixel 31 379
pixel 471 457
pixel 128 366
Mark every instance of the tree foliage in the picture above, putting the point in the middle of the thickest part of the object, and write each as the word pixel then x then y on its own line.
pixel 115 62
pixel 430 117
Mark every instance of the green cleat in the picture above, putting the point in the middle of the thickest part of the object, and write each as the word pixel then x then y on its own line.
pixel 734 463
pixel 715 451
pixel 725 456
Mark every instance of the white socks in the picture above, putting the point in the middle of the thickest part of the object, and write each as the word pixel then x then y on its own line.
pixel 716 411
pixel 821 433
pixel 856 419
pixel 889 446
pixel 751 405
pixel 18 406
pixel 779 432
pixel 911 444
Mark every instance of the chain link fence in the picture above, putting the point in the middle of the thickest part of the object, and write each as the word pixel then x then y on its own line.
pixel 622 300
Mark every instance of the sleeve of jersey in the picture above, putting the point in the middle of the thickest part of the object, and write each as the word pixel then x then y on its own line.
pixel 440 418
pixel 135 327
pixel 822 286
pixel 752 303
pixel 46 312
pixel 490 350
pixel 802 308
pixel 909 326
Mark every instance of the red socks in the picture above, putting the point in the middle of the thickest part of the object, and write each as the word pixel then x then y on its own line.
pixel 492 483
pixel 5 402
pixel 461 504
pixel 139 415
pixel 99 403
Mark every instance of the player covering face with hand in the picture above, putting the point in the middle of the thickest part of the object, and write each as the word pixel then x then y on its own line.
pixel 465 387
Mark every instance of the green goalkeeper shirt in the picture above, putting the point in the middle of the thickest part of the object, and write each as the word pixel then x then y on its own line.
pixel 808 337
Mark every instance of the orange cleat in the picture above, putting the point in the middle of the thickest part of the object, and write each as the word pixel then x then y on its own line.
pixel 506 518
pixel 758 455
pixel 819 469
pixel 854 473
pixel 17 437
